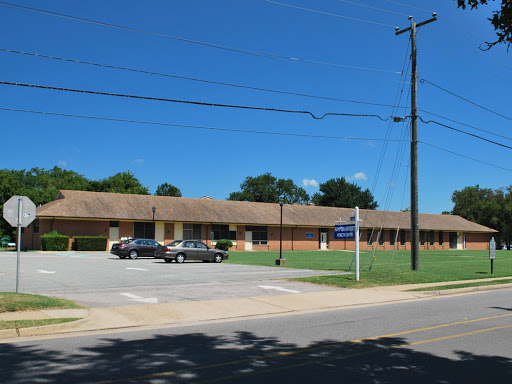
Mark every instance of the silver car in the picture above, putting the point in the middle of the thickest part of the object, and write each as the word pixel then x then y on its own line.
pixel 181 250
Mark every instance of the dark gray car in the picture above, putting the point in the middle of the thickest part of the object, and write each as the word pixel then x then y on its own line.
pixel 181 250
pixel 136 248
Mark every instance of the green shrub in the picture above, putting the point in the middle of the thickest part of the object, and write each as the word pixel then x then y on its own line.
pixel 224 244
pixel 90 243
pixel 53 241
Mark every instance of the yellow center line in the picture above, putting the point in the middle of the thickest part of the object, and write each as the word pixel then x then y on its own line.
pixel 335 345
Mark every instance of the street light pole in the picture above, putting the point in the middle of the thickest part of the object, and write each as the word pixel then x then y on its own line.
pixel 281 261
pixel 154 210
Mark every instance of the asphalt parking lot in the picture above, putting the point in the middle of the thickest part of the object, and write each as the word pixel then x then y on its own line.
pixel 103 280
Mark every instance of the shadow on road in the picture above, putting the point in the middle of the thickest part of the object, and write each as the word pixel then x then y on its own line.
pixel 243 358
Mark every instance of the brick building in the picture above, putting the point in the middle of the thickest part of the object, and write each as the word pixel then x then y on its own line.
pixel 251 226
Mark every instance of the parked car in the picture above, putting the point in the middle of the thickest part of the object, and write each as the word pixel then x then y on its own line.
pixel 136 248
pixel 181 250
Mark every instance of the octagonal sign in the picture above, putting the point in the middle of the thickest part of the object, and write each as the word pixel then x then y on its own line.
pixel 28 211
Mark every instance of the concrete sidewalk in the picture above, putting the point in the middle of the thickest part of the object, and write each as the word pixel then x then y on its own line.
pixel 98 319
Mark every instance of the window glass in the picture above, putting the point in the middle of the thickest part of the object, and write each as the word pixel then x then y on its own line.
pixel 381 237
pixel 402 237
pixel 201 245
pixel 259 234
pixel 189 244
pixel 192 231
pixel 422 238
pixel 441 238
pixel 431 237
pixel 392 236
pixel 143 230
pixel 175 243
pixel 369 233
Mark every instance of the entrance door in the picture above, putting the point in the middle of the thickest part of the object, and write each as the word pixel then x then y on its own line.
pixel 248 241
pixel 113 236
pixel 323 241
pixel 453 240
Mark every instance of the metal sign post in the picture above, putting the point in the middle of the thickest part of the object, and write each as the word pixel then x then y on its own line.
pixel 350 231
pixel 492 253
pixel 19 211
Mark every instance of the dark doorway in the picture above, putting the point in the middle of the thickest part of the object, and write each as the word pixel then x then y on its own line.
pixel 453 240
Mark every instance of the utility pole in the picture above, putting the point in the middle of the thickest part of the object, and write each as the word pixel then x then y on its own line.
pixel 415 230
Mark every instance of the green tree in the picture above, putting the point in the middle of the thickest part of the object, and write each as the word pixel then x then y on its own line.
pixel 501 20
pixel 267 189
pixel 340 193
pixel 122 182
pixel 166 189
pixel 486 207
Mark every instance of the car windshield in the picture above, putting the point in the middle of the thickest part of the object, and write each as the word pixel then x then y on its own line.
pixel 175 243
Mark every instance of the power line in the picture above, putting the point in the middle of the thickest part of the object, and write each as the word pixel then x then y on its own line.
pixel 194 102
pixel 465 133
pixel 465 46
pixel 467 157
pixel 194 126
pixel 466 125
pixel 464 60
pixel 182 39
pixel 370 7
pixel 191 78
pixel 328 13
pixel 463 98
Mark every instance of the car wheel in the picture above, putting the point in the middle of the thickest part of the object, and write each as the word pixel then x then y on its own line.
pixel 180 258
pixel 217 258
pixel 133 254
pixel 168 260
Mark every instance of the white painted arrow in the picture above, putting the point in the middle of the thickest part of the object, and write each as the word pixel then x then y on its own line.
pixel 152 300
pixel 138 269
pixel 278 288
pixel 43 271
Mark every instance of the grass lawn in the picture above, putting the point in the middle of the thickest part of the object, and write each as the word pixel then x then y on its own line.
pixel 463 285
pixel 435 266
pixel 13 302
pixel 13 324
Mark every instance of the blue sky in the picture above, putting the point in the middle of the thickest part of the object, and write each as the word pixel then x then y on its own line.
pixel 333 55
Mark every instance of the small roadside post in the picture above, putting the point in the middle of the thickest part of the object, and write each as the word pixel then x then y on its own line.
pixel 350 231
pixel 19 211
pixel 492 253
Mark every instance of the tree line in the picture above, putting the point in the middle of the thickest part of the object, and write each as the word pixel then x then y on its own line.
pixel 42 186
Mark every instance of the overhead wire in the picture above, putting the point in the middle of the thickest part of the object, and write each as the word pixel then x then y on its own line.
pixel 464 60
pixel 467 157
pixel 465 46
pixel 329 14
pixel 463 98
pixel 465 133
pixel 191 78
pixel 201 103
pixel 191 126
pixel 466 125
pixel 186 40
pixel 375 8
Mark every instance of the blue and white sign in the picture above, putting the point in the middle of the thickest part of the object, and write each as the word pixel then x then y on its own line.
pixel 345 231
pixel 310 235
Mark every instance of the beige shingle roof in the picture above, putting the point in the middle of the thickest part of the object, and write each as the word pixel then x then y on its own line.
pixel 115 206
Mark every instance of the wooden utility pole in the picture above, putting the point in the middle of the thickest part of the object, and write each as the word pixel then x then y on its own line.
pixel 415 230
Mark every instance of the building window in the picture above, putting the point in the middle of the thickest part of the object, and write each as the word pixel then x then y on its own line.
pixel 114 224
pixel 381 237
pixel 369 236
pixel 143 230
pixel 441 238
pixel 36 226
pixel 392 236
pixel 422 238
pixel 402 237
pixel 431 237
pixel 259 234
pixel 222 232
pixel 192 231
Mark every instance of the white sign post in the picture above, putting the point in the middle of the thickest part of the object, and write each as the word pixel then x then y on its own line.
pixel 19 211
pixel 350 232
